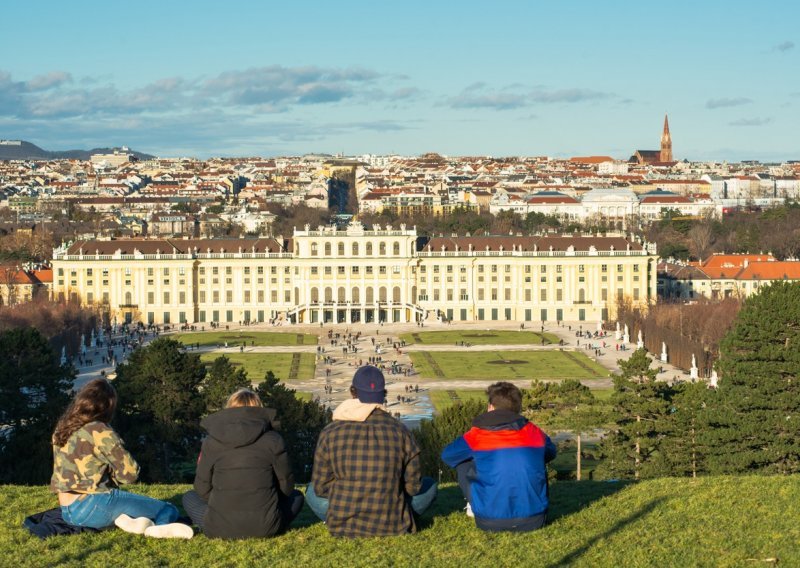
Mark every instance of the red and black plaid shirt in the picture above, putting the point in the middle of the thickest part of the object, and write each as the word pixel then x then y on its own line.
pixel 367 470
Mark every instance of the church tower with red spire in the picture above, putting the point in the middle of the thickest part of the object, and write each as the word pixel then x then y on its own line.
pixel 666 143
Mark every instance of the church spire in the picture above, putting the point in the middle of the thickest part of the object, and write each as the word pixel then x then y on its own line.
pixel 666 143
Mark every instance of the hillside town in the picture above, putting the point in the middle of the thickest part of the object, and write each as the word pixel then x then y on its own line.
pixel 190 197
pixel 117 195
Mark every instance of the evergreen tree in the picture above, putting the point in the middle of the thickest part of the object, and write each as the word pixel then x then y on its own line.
pixel 222 380
pixel 34 390
pixel 299 422
pixel 754 414
pixel 640 404
pixel 159 409
pixel 433 435
pixel 683 450
pixel 567 406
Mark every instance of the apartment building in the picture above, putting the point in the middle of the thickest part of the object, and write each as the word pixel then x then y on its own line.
pixel 724 276
pixel 358 275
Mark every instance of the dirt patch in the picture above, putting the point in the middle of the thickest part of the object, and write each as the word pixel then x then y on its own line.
pixel 507 362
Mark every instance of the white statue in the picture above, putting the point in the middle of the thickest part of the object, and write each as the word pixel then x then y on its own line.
pixel 714 380
pixel 693 371
pixel 663 352
pixel 599 327
pixel 63 355
pixel 83 344
pixel 626 337
pixel 640 342
pixel 617 333
pixel 93 341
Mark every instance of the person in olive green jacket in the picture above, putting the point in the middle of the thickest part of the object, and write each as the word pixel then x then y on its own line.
pixel 90 463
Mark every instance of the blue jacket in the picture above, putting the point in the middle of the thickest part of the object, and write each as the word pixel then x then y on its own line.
pixel 510 455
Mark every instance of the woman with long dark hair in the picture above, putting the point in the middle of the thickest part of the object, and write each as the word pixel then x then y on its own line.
pixel 90 463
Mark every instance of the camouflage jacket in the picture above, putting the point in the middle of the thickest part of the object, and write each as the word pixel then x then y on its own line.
pixel 92 461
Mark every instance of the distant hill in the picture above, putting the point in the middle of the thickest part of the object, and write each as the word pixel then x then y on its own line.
pixel 27 151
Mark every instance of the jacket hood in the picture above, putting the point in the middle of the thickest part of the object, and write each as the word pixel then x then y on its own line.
pixel 236 427
pixel 500 420
pixel 353 410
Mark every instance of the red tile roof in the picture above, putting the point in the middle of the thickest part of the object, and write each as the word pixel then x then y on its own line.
pixel 734 260
pixel 788 270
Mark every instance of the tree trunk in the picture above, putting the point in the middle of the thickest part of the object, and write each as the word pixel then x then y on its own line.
pixel 578 460
pixel 694 454
pixel 638 452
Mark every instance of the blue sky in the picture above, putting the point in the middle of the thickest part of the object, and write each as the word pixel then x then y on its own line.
pixel 495 78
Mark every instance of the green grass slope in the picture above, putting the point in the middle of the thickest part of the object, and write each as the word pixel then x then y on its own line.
pixel 724 521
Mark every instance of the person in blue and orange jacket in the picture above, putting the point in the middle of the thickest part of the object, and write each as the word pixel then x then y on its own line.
pixel 500 464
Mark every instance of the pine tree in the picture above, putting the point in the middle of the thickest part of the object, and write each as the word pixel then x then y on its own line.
pixel 433 435
pixel 222 380
pixel 34 390
pixel 567 406
pixel 754 415
pixel 640 404
pixel 160 407
pixel 299 422
pixel 683 450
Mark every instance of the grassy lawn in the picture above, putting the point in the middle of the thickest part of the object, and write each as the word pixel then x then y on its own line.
pixel 510 365
pixel 665 522
pixel 603 394
pixel 566 461
pixel 257 364
pixel 442 399
pixel 236 338
pixel 478 337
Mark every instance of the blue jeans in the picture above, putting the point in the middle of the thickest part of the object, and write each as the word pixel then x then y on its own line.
pixel 98 510
pixel 419 502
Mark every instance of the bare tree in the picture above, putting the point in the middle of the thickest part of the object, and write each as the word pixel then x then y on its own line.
pixel 701 237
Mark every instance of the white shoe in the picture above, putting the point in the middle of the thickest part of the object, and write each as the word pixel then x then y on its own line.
pixel 171 530
pixel 469 511
pixel 133 525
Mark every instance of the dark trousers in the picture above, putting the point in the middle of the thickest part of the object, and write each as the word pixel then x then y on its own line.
pixel 290 507
pixel 467 473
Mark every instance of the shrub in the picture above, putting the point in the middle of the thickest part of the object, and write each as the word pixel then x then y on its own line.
pixel 434 435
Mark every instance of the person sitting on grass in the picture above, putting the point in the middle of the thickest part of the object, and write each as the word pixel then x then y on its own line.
pixel 244 485
pixel 500 464
pixel 366 479
pixel 89 464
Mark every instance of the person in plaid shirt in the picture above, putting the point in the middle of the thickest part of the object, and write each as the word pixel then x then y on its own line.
pixel 366 479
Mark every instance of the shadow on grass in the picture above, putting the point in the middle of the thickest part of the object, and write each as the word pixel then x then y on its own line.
pixel 571 557
pixel 566 498
pixel 448 500
pixel 81 557
pixel 569 497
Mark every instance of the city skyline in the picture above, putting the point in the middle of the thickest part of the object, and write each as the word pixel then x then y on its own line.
pixel 516 79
